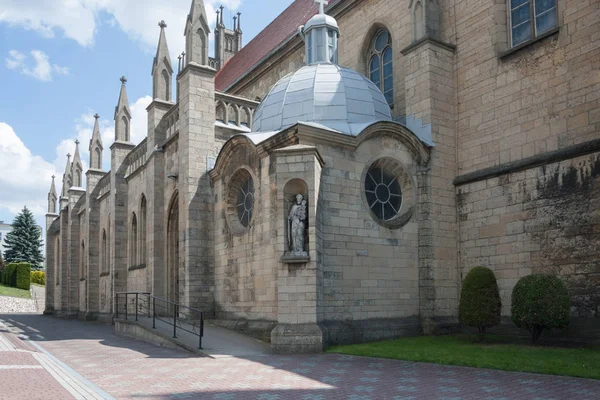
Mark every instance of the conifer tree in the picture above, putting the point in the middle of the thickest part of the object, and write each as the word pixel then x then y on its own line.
pixel 24 243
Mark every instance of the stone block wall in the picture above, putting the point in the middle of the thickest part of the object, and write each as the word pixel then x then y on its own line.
pixel 540 220
pixel 137 271
pixel 370 272
pixel 542 98
pixel 246 260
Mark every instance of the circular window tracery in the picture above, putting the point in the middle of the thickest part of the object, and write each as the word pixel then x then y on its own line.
pixel 245 202
pixel 241 201
pixel 383 191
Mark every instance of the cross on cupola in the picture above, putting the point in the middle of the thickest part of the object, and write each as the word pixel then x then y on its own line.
pixel 321 34
pixel 322 4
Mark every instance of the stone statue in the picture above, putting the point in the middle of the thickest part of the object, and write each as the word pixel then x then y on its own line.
pixel 297 226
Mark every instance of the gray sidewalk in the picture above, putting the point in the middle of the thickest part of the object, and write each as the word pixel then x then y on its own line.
pixel 216 342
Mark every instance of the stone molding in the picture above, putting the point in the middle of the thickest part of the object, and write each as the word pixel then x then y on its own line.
pixel 118 144
pixel 158 103
pixel 566 153
pixel 428 39
pixel 193 66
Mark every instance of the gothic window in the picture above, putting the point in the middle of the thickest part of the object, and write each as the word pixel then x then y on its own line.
pixel 133 242
pixel 57 262
pixel 104 253
pixel 98 163
pixel 82 257
pixel 531 18
pixel 167 83
pixel 143 229
pixel 380 67
pixel 125 127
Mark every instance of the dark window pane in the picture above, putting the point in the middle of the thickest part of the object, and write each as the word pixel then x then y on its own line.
pixel 544 5
pixel 520 15
pixel 381 41
pixel 517 3
pixel 521 33
pixel 545 22
pixel 374 74
pixel 387 56
pixel 389 96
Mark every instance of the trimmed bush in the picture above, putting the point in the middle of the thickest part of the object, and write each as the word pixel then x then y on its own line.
pixel 23 276
pixel 480 303
pixel 540 302
pixel 38 277
pixel 17 275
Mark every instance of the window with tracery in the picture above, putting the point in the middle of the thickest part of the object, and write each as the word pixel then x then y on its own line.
pixel 380 64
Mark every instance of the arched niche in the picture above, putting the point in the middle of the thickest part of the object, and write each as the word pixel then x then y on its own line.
pixel 291 189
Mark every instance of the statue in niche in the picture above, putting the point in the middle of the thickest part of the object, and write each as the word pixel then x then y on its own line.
pixel 297 226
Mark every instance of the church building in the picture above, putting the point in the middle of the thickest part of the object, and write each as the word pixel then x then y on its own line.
pixel 333 180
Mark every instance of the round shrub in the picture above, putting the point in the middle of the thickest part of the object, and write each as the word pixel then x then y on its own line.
pixel 480 303
pixel 540 302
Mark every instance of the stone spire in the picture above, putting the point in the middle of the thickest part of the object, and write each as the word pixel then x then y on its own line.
pixel 323 47
pixel 122 115
pixel 196 34
pixel 67 182
pixel 52 198
pixel 162 70
pixel 96 146
pixel 77 168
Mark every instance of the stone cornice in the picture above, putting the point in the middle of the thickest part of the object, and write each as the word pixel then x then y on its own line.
pixel 300 149
pixel 192 66
pixel 158 103
pixel 551 157
pixel 117 144
pixel 428 40
pixel 94 171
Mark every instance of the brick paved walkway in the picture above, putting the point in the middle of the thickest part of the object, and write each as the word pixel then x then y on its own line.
pixel 129 369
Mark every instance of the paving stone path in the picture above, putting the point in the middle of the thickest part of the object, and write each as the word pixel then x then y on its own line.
pixel 130 369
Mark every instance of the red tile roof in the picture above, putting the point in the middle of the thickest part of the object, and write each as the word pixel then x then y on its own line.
pixel 282 28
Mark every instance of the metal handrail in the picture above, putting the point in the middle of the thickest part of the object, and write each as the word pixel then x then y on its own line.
pixel 152 309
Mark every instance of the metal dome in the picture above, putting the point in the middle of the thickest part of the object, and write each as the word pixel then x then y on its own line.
pixel 325 94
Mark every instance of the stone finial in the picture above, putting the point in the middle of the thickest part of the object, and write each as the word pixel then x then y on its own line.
pixel 239 26
pixel 162 24
pixel 123 80
pixel 96 116
pixel 77 142
pixel 69 156
pixel 53 177
pixel 221 8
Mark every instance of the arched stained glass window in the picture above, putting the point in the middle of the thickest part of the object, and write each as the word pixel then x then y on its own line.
pixel 381 65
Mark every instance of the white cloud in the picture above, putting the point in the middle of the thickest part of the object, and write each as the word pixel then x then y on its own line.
pixel 22 174
pixel 79 19
pixel 26 178
pixel 41 69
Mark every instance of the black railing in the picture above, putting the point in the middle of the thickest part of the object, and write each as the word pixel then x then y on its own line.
pixel 182 318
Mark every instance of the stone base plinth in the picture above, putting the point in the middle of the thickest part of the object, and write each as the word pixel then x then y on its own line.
pixel 297 338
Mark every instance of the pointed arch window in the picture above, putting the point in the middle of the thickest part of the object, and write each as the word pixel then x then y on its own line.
pixel 381 65
pixel 82 259
pixel 104 253
pixel 143 230
pixel 133 242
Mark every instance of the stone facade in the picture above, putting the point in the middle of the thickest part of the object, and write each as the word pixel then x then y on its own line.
pixel 496 150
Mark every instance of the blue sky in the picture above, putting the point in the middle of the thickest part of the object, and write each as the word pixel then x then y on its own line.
pixel 60 62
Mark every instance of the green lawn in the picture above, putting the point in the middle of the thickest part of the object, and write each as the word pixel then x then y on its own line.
pixel 14 292
pixel 496 353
